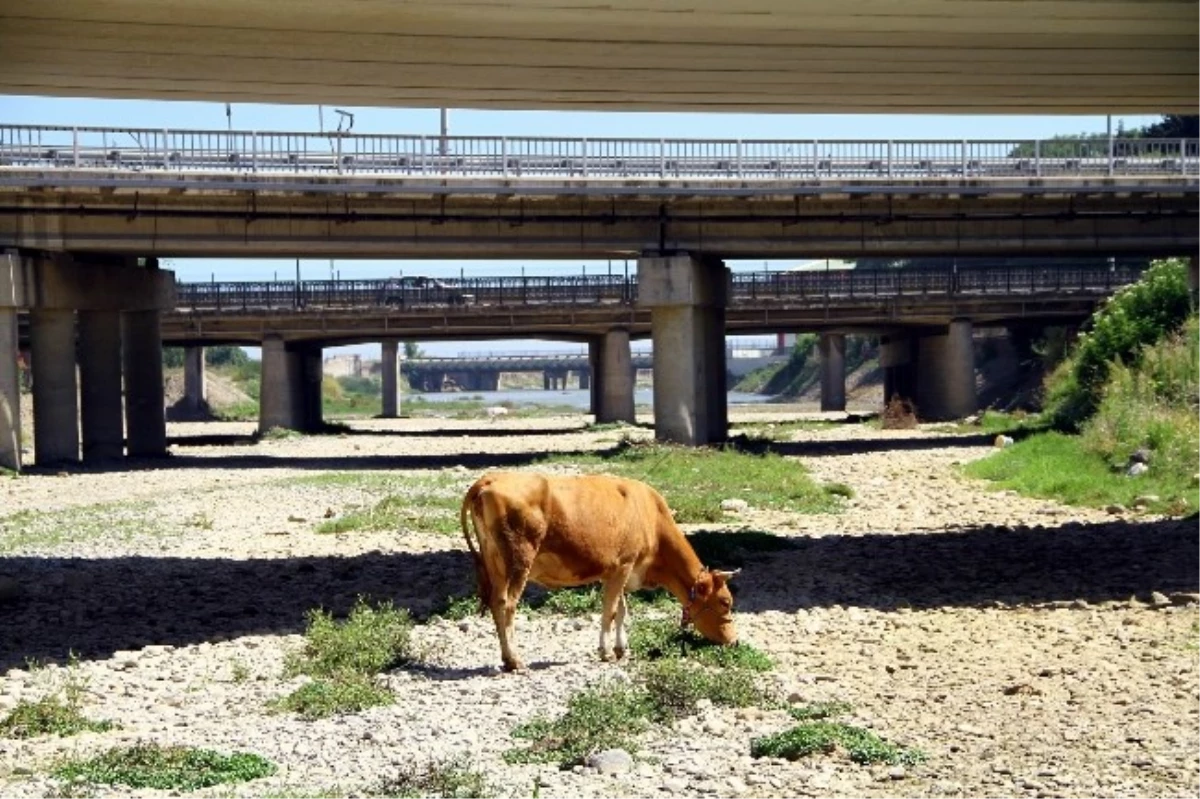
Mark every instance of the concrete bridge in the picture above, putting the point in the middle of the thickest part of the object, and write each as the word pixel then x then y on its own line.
pixel 482 372
pixel 248 194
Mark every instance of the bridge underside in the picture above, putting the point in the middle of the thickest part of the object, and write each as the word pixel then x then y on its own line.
pixel 808 56
pixel 334 328
pixel 409 220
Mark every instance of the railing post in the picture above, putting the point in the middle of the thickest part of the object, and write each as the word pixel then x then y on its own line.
pixel 254 151
pixel 1111 165
pixel 339 154
pixel 662 158
pixel 504 157
pixel 584 155
pixel 739 158
pixel 1183 156
pixel 816 158
pixel 1037 157
pixel 424 163
pixel 75 145
pixel 963 156
pixel 889 158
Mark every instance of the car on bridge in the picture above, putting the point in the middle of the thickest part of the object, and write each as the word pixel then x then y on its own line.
pixel 421 290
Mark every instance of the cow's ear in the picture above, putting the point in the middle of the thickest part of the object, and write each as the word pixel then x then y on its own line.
pixel 703 585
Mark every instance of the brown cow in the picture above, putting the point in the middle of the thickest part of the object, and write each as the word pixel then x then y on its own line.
pixel 567 531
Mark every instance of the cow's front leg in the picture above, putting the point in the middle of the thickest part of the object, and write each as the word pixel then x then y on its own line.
pixel 622 612
pixel 614 594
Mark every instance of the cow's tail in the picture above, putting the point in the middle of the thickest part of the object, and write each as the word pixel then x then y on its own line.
pixel 483 581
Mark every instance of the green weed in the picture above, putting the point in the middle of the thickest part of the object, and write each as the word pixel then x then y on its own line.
pixel 823 737
pixel 659 639
pixel 344 692
pixel 165 768
pixel 604 716
pixel 454 779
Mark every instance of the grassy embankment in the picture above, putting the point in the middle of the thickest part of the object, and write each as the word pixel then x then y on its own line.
pixel 1129 390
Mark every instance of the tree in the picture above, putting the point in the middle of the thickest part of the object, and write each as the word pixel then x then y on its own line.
pixel 1172 126
pixel 412 350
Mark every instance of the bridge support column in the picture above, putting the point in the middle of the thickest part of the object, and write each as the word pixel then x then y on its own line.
pixel 195 382
pixel 612 384
pixel 145 411
pixel 10 393
pixel 833 371
pixel 585 378
pixel 391 379
pixel 897 359
pixel 946 373
pixel 290 392
pixel 687 298
pixel 101 412
pixel 311 374
pixel 55 397
pixel 278 394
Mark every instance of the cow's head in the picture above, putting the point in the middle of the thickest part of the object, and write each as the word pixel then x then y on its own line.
pixel 710 606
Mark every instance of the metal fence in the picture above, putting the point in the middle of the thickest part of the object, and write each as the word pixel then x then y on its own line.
pixel 575 291
pixel 528 157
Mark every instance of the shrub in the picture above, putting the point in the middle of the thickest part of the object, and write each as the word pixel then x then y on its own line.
pixel 454 779
pixel 57 713
pixel 344 692
pixel 674 688
pixel 1134 317
pixel 603 716
pixel 899 414
pixel 368 641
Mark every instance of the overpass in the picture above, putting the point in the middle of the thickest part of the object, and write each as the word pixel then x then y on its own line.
pixel 282 194
pixel 798 56
pixel 914 310
pixel 482 372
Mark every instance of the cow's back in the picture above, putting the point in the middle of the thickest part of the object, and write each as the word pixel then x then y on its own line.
pixel 569 530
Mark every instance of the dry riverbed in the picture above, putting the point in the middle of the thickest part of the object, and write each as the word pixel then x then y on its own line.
pixel 1025 647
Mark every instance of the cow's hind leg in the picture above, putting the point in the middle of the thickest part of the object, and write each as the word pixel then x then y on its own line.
pixel 508 638
pixel 622 611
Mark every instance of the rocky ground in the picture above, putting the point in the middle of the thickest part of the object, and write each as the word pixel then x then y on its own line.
pixel 1027 648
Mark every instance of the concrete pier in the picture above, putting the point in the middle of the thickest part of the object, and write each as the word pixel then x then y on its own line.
pixel 10 393
pixel 687 298
pixel 195 381
pixel 55 398
pixel 613 378
pixel 290 391
pixel 946 374
pixel 391 379
pixel 832 347
pixel 101 408
pixel 145 412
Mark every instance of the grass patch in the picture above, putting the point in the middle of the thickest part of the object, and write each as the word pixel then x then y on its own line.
pixel 695 480
pixel 454 779
pixel 331 696
pixel 838 490
pixel 343 657
pixel 999 422
pixel 368 641
pixel 659 639
pixel 1057 466
pixel 456 607
pixel 59 712
pixel 825 737
pixel 165 768
pixel 426 504
pixel 604 716
pixel 115 521
pixel 675 687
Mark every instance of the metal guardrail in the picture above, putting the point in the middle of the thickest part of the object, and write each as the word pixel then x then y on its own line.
pixel 530 157
pixel 577 291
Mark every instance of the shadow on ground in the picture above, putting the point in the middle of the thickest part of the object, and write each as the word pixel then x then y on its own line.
pixel 97 606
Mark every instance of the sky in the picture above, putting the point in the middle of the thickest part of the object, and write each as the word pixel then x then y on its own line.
pixel 461 122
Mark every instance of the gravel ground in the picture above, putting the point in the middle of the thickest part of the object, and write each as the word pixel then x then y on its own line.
pixel 1028 648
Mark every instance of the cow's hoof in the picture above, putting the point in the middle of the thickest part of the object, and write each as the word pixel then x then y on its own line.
pixel 619 653
pixel 514 666
pixel 605 655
